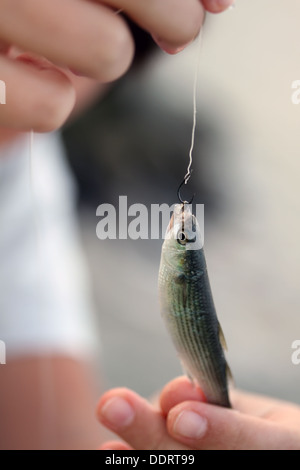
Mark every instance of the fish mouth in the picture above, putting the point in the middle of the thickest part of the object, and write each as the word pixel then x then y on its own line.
pixel 182 219
pixel 184 228
pixel 182 216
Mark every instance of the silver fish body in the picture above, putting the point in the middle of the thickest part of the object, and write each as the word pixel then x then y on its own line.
pixel 188 309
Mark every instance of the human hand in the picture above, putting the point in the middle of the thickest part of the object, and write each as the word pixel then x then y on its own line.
pixel 185 422
pixel 85 36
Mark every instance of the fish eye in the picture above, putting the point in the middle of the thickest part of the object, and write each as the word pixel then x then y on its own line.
pixel 181 238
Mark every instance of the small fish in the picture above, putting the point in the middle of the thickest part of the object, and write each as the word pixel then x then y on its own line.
pixel 188 308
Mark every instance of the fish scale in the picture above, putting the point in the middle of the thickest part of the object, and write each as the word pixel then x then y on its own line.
pixel 188 308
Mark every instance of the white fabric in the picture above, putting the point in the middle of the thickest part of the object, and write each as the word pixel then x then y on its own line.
pixel 44 295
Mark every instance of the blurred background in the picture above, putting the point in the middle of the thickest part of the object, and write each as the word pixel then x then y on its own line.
pixel 135 142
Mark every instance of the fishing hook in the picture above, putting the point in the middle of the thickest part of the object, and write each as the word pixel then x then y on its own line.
pixel 182 201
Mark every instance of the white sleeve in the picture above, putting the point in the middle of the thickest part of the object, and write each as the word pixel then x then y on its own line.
pixel 45 302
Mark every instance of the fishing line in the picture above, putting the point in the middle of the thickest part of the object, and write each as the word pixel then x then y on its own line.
pixel 195 88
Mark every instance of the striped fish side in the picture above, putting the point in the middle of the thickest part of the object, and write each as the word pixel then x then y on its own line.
pixel 188 309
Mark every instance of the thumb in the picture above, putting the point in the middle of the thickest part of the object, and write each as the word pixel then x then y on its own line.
pixel 202 426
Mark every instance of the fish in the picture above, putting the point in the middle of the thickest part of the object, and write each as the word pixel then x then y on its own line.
pixel 188 309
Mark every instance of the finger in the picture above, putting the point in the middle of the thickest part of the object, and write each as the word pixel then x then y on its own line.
pixel 84 36
pixel 134 420
pixel 179 390
pixel 182 389
pixel 217 6
pixel 37 97
pixel 115 445
pixel 253 404
pixel 265 407
pixel 202 426
pixel 173 23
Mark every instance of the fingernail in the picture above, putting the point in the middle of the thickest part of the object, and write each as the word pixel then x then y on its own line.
pixel 223 3
pixel 166 47
pixel 219 5
pixel 190 424
pixel 169 49
pixel 117 412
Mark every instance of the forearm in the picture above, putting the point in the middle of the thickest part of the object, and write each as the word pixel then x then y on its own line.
pixel 47 402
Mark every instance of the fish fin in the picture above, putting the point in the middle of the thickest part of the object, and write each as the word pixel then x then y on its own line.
pixel 187 373
pixel 222 338
pixel 229 375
